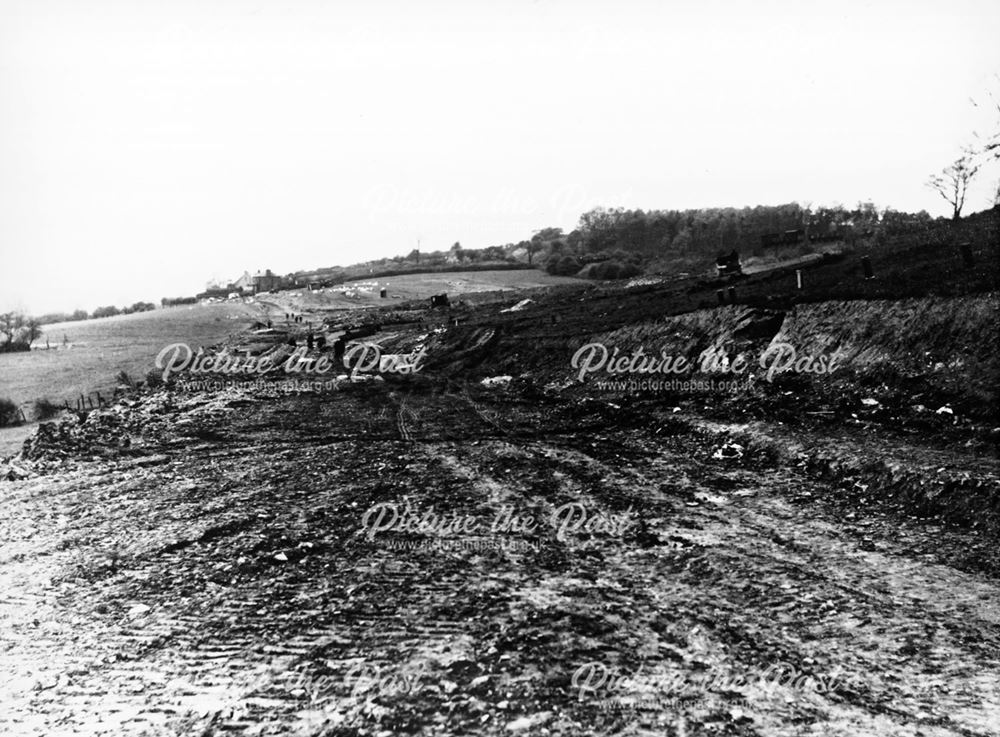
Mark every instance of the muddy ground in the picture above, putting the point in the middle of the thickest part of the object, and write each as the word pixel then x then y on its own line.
pixel 250 562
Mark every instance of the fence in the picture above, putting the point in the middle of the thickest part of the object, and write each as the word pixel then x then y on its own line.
pixel 86 401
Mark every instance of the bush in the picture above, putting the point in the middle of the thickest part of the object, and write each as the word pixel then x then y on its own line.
pixel 606 270
pixel 109 311
pixel 9 414
pixel 138 307
pixel 46 410
pixel 154 379
pixel 563 266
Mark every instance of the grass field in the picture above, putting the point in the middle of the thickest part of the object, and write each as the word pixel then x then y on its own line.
pixel 86 356
pixel 410 287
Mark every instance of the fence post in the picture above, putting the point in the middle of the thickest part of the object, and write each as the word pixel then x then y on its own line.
pixel 798 278
pixel 967 257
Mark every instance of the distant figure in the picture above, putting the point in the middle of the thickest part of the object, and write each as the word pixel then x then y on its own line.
pixel 321 343
pixel 309 341
pixel 268 323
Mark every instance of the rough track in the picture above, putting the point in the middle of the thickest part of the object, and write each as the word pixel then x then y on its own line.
pixel 229 587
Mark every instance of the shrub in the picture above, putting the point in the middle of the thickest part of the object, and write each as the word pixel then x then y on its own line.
pixel 608 270
pixel 45 409
pixel 154 379
pixel 9 414
pixel 18 347
pixel 563 266
pixel 109 311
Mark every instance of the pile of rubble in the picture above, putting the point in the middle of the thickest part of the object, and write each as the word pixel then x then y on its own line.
pixel 97 433
pixel 131 426
pixel 13 470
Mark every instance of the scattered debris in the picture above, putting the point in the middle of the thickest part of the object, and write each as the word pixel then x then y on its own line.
pixel 496 381
pixel 728 451
pixel 519 306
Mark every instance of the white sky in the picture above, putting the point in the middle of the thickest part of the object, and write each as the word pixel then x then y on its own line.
pixel 146 147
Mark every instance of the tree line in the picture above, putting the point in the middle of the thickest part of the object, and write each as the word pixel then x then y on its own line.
pixel 19 331
pixel 617 243
pixel 108 311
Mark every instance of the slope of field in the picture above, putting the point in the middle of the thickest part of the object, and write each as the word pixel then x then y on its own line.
pixel 85 357
pixel 406 288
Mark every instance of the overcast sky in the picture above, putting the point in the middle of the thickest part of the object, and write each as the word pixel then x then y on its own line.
pixel 146 147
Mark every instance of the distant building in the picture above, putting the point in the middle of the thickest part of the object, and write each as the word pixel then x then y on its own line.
pixel 265 282
pixel 244 283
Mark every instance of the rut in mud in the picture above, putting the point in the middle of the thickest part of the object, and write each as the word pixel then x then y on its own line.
pixel 604 574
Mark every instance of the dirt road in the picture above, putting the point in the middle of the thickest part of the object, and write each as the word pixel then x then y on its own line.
pixel 271 566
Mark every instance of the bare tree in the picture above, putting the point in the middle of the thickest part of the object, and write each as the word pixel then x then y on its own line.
pixel 991 140
pixel 32 330
pixel 18 330
pixel 953 181
pixel 10 325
